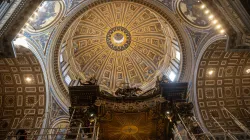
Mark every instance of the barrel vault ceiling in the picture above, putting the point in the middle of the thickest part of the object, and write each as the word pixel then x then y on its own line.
pixel 223 80
pixel 22 92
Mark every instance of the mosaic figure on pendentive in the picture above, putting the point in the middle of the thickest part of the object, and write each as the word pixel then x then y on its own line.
pixel 46 14
pixel 191 10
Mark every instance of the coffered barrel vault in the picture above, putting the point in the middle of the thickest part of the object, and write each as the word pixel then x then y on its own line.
pixel 223 80
pixel 22 92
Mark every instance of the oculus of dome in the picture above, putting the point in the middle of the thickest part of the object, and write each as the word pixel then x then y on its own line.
pixel 118 38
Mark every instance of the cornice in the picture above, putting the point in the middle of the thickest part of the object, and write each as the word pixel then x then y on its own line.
pixel 10 10
pixel 21 10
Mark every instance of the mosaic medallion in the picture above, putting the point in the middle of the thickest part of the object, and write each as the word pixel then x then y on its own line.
pixel 193 14
pixel 129 130
pixel 48 13
pixel 118 38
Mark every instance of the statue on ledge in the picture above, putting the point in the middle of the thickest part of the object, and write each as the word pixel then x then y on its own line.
pixel 163 79
pixel 128 91
pixel 91 81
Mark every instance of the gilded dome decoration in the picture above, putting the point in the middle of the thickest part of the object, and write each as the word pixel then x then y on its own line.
pixel 119 43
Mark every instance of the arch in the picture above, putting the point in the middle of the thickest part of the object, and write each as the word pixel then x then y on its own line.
pixel 194 96
pixel 39 57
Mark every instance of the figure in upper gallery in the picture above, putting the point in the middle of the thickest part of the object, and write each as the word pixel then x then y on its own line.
pixel 163 79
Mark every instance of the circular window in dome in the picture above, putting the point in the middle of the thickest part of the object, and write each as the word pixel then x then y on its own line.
pixel 118 38
pixel 128 46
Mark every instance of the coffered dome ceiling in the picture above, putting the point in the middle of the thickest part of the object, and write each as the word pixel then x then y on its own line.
pixel 117 43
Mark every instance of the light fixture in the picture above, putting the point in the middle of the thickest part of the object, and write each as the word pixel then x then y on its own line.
pixel 167 112
pixel 91 115
pixel 28 79
pixel 207 11
pixel 210 72
pixel 31 19
pixel 222 31
pixel 215 21
pixel 19 35
pixel 170 118
pixel 203 6
pixel 22 31
pixel 211 17
pixel 218 26
pixel 248 71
